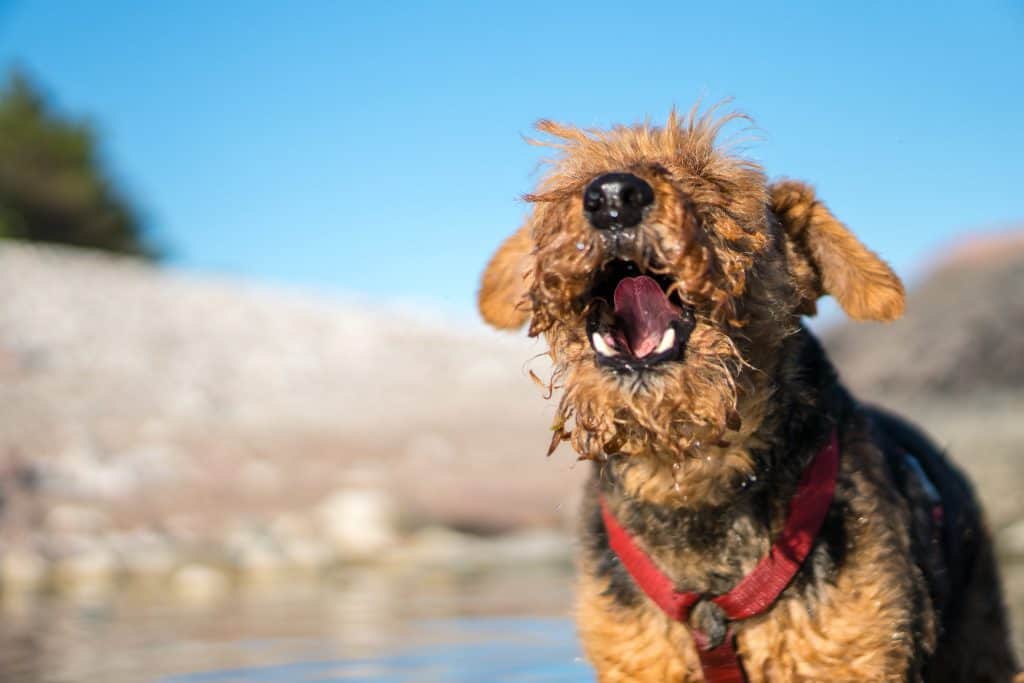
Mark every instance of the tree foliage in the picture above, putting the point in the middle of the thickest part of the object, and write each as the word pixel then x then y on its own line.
pixel 53 187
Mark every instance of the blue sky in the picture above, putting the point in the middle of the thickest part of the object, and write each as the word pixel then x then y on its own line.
pixel 376 147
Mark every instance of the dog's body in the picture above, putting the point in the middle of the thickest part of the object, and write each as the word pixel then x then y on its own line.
pixel 884 595
pixel 669 279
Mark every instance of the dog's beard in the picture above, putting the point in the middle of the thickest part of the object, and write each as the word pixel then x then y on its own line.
pixel 648 405
pixel 664 412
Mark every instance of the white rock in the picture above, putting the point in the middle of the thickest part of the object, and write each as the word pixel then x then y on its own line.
pixel 257 562
pixel 358 523
pixel 92 566
pixel 199 582
pixel 22 570
pixel 144 555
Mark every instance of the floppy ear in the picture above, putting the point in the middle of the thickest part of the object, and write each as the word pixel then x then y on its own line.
pixel 826 258
pixel 502 297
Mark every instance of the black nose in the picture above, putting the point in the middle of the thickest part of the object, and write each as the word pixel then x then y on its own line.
pixel 616 200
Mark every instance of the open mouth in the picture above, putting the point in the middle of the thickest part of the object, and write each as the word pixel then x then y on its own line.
pixel 632 321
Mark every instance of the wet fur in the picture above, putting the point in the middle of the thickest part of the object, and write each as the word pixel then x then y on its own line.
pixel 698 459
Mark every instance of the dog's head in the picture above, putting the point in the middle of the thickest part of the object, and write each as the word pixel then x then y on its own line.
pixel 665 274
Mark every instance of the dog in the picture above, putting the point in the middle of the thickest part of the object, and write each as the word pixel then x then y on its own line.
pixel 747 519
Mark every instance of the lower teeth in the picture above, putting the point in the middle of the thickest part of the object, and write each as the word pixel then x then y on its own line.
pixel 667 340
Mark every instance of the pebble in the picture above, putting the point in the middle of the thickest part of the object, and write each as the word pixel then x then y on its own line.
pixel 90 567
pixel 22 570
pixel 199 582
pixel 358 523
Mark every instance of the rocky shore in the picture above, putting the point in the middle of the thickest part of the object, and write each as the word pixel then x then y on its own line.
pixel 160 429
pixel 164 427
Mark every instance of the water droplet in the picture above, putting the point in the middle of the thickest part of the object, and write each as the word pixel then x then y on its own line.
pixel 580 246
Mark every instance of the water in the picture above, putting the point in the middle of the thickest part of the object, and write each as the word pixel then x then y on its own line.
pixel 456 650
pixel 412 627
pixel 372 625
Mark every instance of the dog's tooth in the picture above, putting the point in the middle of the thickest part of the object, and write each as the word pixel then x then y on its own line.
pixel 667 340
pixel 602 346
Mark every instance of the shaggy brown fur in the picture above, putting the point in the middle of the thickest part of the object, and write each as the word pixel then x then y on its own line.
pixel 699 456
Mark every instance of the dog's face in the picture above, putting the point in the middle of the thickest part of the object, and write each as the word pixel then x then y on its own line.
pixel 665 275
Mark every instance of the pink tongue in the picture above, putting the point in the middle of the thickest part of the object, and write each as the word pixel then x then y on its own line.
pixel 643 313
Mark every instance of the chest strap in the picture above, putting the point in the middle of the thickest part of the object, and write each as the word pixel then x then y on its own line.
pixel 755 592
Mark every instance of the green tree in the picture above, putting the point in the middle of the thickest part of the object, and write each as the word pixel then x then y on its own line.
pixel 53 187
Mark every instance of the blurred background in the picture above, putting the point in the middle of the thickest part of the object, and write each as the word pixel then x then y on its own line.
pixel 251 429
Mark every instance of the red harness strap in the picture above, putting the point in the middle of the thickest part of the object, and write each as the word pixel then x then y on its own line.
pixel 760 588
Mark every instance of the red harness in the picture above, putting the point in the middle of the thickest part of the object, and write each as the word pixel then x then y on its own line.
pixel 760 588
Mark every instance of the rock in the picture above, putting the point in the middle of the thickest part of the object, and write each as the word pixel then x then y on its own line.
pixel 86 471
pixel 454 550
pixel 144 555
pixel 88 567
pixel 307 555
pixel 253 553
pixel 22 570
pixel 229 422
pixel 1010 540
pixel 258 562
pixel 436 546
pixel 66 518
pixel 532 547
pixel 301 545
pixel 358 523
pixel 199 582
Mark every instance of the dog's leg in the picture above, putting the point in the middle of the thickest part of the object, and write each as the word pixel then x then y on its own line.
pixel 632 644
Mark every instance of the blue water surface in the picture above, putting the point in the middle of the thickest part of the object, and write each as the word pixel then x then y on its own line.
pixel 463 650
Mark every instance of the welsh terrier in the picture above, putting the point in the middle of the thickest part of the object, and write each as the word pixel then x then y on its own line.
pixel 747 519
